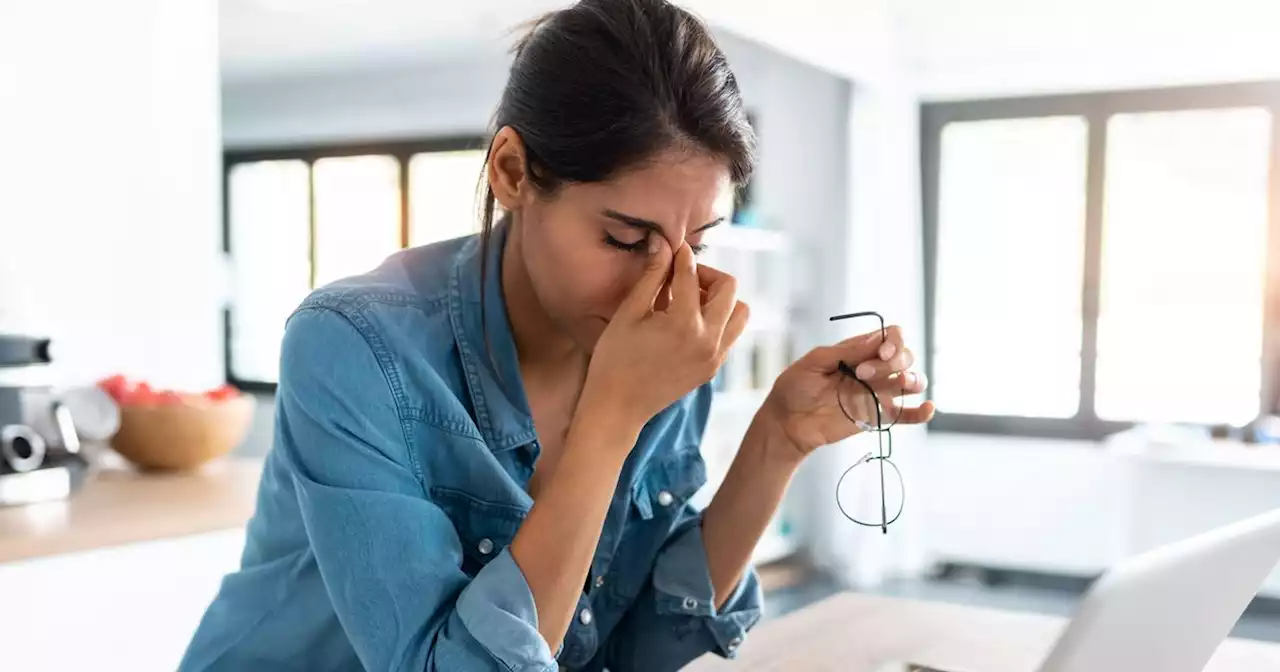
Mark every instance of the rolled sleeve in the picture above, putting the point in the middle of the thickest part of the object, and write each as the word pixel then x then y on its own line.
pixel 682 585
pixel 675 619
pixel 497 608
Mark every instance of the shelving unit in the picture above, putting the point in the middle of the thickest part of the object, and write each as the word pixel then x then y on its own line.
pixel 751 238
pixel 758 258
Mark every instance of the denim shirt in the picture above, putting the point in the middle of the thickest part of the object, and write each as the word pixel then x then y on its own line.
pixel 397 480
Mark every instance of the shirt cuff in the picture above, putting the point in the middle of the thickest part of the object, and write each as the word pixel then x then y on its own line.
pixel 682 586
pixel 497 608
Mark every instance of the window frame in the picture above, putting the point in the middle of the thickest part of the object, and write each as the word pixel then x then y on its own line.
pixel 1096 108
pixel 402 151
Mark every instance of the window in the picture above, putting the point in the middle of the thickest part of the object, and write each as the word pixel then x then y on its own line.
pixel 1099 260
pixel 298 219
pixel 1183 265
pixel 1012 206
pixel 437 180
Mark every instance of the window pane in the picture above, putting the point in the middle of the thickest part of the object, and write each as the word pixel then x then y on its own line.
pixel 269 222
pixel 442 195
pixel 357 214
pixel 1184 245
pixel 1011 209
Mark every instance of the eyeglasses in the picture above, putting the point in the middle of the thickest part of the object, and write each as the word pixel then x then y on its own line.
pixel 850 390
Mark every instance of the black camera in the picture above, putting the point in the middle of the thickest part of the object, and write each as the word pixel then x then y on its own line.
pixel 39 446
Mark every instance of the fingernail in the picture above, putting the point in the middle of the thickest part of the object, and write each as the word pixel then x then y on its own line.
pixel 654 243
pixel 887 350
pixel 865 371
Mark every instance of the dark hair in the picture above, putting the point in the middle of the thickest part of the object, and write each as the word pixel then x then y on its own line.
pixel 604 85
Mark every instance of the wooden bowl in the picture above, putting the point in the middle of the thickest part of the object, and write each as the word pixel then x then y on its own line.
pixel 182 436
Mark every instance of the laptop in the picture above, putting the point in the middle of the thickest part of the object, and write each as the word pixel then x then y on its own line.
pixel 1167 610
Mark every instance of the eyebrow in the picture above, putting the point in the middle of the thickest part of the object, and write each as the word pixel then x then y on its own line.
pixel 648 225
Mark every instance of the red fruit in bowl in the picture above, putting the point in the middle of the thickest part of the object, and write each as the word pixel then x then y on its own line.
pixel 167 398
pixel 116 386
pixel 222 393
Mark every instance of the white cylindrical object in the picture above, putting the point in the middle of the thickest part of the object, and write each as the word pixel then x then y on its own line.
pixel 14 436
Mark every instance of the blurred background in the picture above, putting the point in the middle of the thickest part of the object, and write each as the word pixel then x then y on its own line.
pixel 1069 206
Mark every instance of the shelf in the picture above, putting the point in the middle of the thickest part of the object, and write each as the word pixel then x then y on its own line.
pixel 772 547
pixel 738 401
pixel 1209 453
pixel 766 320
pixel 748 238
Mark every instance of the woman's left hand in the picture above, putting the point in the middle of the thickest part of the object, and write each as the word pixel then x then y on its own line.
pixel 803 404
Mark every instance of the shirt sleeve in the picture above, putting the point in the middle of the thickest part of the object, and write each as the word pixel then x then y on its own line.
pixel 675 619
pixel 389 558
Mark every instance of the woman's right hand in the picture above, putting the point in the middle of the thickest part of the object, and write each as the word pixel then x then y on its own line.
pixel 649 356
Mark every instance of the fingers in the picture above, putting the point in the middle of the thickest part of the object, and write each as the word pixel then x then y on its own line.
pixel 884 354
pixel 640 301
pixel 912 415
pixel 721 300
pixel 891 343
pixel 874 369
pixel 735 325
pixel 685 293
pixel 900 384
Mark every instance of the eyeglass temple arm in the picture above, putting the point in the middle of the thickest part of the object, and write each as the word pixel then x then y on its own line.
pixel 865 313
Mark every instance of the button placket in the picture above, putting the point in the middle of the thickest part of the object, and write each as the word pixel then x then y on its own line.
pixel 580 641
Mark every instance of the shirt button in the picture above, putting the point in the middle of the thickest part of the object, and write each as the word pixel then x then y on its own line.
pixel 690 604
pixel 665 498
pixel 599 581
pixel 734 643
pixel 585 616
pixel 485 546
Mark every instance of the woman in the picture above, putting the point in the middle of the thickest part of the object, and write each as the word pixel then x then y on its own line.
pixel 484 447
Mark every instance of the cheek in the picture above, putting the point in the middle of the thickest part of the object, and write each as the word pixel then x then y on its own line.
pixel 577 278
pixel 615 282
pixel 598 282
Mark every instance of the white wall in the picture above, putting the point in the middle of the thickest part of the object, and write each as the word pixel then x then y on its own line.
pixel 459 96
pixel 109 209
pixel 406 100
pixel 1019 503
pixel 984 48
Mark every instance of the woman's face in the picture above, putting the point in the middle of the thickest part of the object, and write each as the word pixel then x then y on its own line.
pixel 585 247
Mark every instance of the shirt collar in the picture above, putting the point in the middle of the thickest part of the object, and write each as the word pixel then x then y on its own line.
pixel 492 369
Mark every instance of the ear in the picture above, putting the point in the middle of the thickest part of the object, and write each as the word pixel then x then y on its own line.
pixel 507 172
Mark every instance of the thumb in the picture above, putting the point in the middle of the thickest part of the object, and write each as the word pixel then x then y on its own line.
pixel 640 300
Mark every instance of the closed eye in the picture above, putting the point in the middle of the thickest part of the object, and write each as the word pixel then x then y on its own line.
pixel 638 246
pixel 642 245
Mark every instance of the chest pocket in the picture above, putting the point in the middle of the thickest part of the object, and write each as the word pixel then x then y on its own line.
pixel 484 528
pixel 670 483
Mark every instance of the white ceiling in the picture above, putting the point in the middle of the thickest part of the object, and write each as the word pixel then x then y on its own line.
pixel 953 47
pixel 260 38
pixel 263 38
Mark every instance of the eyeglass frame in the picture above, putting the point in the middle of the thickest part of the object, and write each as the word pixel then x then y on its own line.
pixel 883 434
